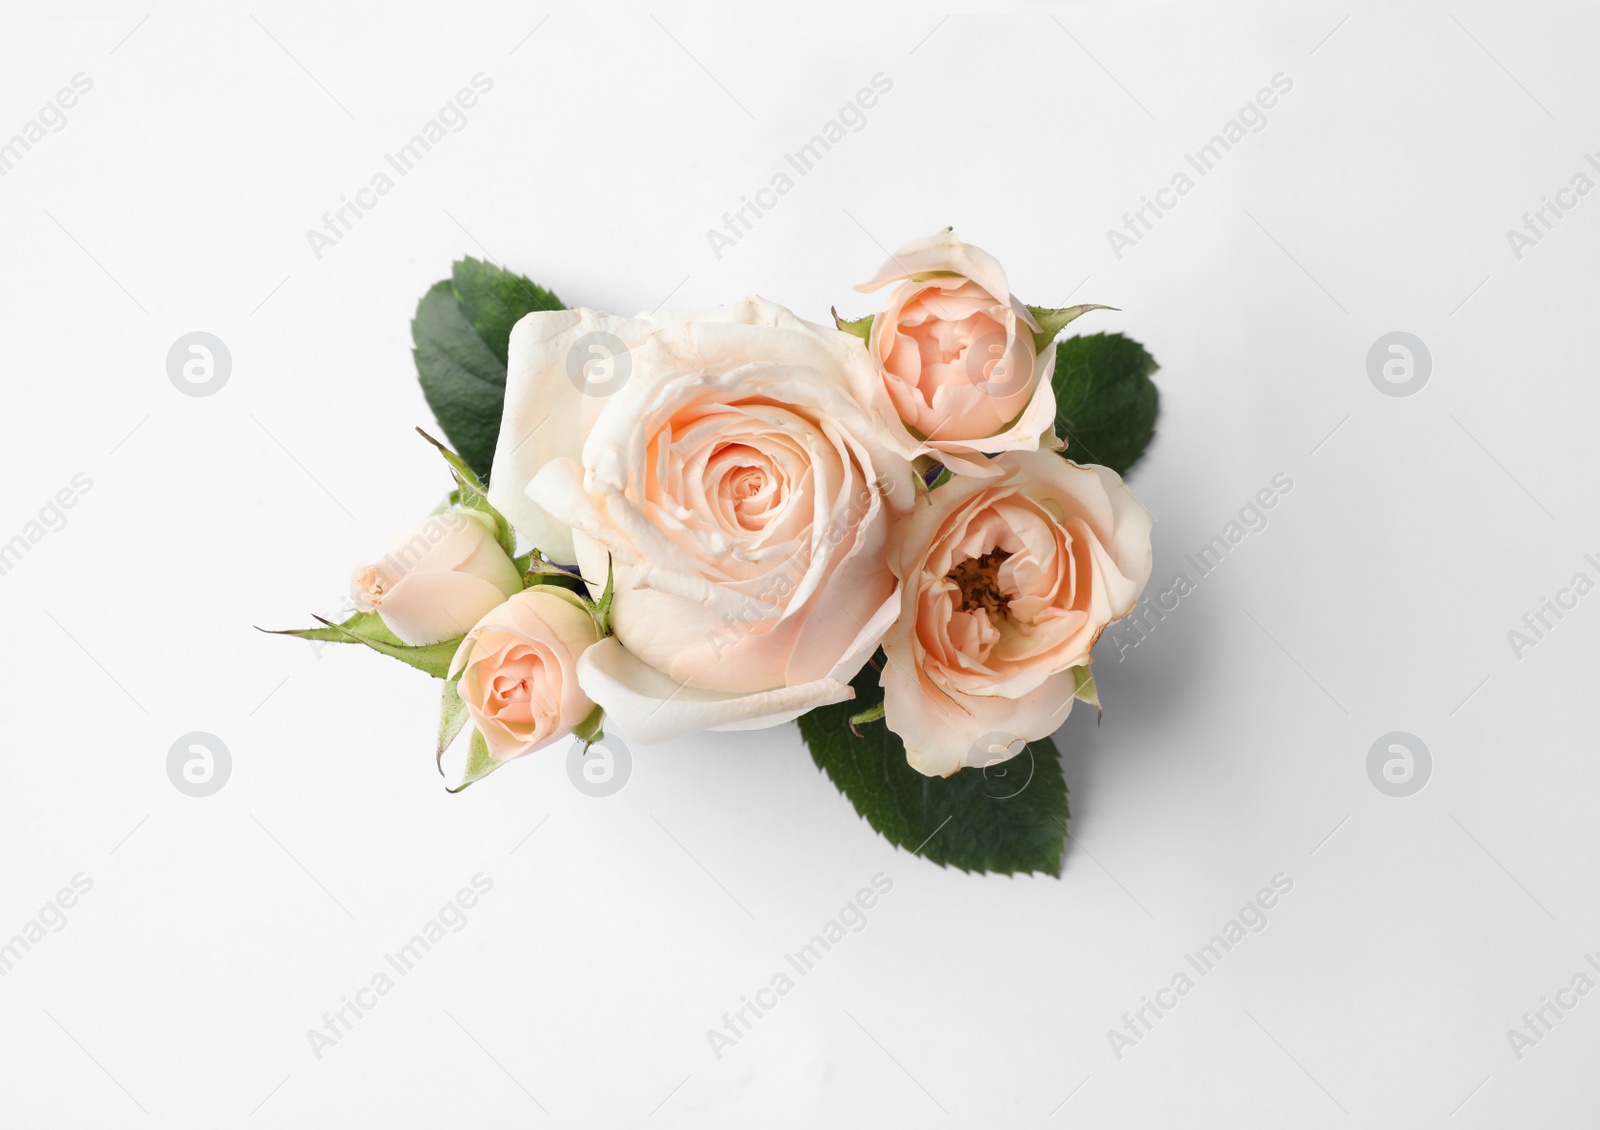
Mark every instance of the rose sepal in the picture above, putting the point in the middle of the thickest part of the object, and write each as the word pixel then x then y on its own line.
pixel 452 717
pixel 1083 689
pixel 1052 322
pixel 860 327
pixel 471 494
pixel 592 728
pixel 368 628
pixel 479 763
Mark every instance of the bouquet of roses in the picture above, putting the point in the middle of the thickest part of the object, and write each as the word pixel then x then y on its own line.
pixel 906 531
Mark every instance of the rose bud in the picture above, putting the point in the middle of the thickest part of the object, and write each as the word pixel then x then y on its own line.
pixel 1007 583
pixel 956 353
pixel 519 670
pixel 438 578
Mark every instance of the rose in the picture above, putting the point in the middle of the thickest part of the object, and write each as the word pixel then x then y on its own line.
pixel 519 670
pixel 956 352
pixel 1006 585
pixel 737 487
pixel 438 578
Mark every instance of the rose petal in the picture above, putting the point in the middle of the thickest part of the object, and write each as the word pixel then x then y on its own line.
pixel 646 706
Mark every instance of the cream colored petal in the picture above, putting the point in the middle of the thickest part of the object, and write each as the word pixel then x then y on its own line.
pixel 546 415
pixel 426 608
pixel 940 742
pixel 943 251
pixel 646 706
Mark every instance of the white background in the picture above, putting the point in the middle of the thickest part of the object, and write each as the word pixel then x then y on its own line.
pixel 1419 531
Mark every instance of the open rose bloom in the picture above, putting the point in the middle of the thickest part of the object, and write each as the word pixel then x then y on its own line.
pixel 1007 584
pixel 738 488
pixel 956 354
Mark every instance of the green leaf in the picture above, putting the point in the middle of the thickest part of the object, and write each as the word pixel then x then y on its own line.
pixel 1052 322
pixel 1007 818
pixel 452 716
pixel 494 300
pixel 471 494
pixel 462 331
pixel 861 327
pixel 367 628
pixel 462 380
pixel 479 763
pixel 1106 404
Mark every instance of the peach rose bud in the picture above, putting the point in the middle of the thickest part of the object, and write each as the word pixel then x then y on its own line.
pixel 519 670
pixel 438 578
pixel 956 353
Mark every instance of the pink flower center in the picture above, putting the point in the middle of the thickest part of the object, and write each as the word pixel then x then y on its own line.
pixel 519 688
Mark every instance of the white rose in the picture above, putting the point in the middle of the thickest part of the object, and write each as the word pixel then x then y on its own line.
pixel 742 493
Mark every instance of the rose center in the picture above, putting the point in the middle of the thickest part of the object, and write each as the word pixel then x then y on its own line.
pixel 978 580
pixel 374 583
pixel 507 688
pixel 747 482
pixel 747 487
